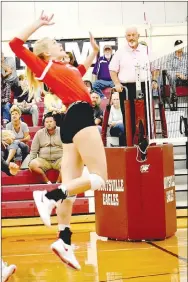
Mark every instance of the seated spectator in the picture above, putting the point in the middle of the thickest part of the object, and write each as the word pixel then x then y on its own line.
pixel 155 88
pixel 8 70
pixel 98 113
pixel 20 130
pixel 177 66
pixel 5 100
pixel 10 151
pixel 101 72
pixel 54 105
pixel 26 104
pixel 69 58
pixel 116 119
pixel 88 85
pixel 46 149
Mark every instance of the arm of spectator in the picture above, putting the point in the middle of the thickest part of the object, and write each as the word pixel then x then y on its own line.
pixel 26 137
pixel 35 147
pixel 181 75
pixel 13 168
pixel 110 119
pixel 7 70
pixel 9 169
pixel 99 117
pixel 5 166
pixel 9 126
pixel 115 79
pixel 98 121
pixel 26 133
pixel 114 68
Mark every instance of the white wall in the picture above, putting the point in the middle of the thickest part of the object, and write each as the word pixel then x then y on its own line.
pixel 104 19
pixel 74 19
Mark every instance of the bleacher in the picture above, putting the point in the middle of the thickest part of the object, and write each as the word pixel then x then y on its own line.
pixel 17 191
pixel 17 198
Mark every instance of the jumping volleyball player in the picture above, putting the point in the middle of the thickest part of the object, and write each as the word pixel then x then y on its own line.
pixel 82 143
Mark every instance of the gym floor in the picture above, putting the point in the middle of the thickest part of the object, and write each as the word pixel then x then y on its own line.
pixel 101 260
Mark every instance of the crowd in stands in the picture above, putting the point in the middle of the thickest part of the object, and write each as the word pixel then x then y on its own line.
pixel 44 151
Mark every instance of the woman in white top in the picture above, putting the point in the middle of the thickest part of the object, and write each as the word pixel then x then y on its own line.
pixel 53 104
pixel 116 120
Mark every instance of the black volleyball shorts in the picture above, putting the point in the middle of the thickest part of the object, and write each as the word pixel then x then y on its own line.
pixel 79 115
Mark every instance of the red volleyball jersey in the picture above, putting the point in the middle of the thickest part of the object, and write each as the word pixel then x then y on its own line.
pixel 63 79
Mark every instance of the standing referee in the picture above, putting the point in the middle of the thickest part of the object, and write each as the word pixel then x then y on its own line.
pixel 122 71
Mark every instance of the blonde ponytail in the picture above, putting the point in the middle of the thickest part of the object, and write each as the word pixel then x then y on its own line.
pixel 33 84
pixel 39 48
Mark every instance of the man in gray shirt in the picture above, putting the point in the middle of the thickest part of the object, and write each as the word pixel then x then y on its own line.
pixel 46 149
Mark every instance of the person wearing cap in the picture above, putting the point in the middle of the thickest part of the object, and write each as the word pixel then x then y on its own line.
pixel 101 72
pixel 122 71
pixel 178 64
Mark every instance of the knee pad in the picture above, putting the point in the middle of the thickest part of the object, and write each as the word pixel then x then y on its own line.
pixel 97 182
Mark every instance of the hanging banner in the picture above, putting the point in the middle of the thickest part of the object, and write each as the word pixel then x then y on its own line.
pixel 80 48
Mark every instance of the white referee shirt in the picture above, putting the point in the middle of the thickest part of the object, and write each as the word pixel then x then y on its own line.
pixel 124 61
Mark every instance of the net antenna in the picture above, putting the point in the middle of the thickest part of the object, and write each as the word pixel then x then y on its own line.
pixel 147 71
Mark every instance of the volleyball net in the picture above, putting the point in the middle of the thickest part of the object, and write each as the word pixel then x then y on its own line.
pixel 170 93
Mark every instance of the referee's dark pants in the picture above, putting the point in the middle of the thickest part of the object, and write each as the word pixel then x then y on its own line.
pixel 131 97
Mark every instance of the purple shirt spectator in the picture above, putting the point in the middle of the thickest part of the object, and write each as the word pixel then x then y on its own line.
pixel 101 68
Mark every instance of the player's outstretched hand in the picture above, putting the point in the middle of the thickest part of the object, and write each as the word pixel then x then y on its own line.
pixel 45 20
pixel 94 44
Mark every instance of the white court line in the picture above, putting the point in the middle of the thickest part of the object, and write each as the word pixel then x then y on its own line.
pixel 77 252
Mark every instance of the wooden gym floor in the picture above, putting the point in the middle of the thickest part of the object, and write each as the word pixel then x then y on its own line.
pixel 101 260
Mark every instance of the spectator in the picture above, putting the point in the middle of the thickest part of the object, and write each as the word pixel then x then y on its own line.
pixel 10 151
pixel 98 113
pixel 89 85
pixel 155 88
pixel 116 119
pixel 8 70
pixel 122 71
pixel 20 130
pixel 54 105
pixel 177 65
pixel 101 72
pixel 46 149
pixel 69 58
pixel 5 100
pixel 25 104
